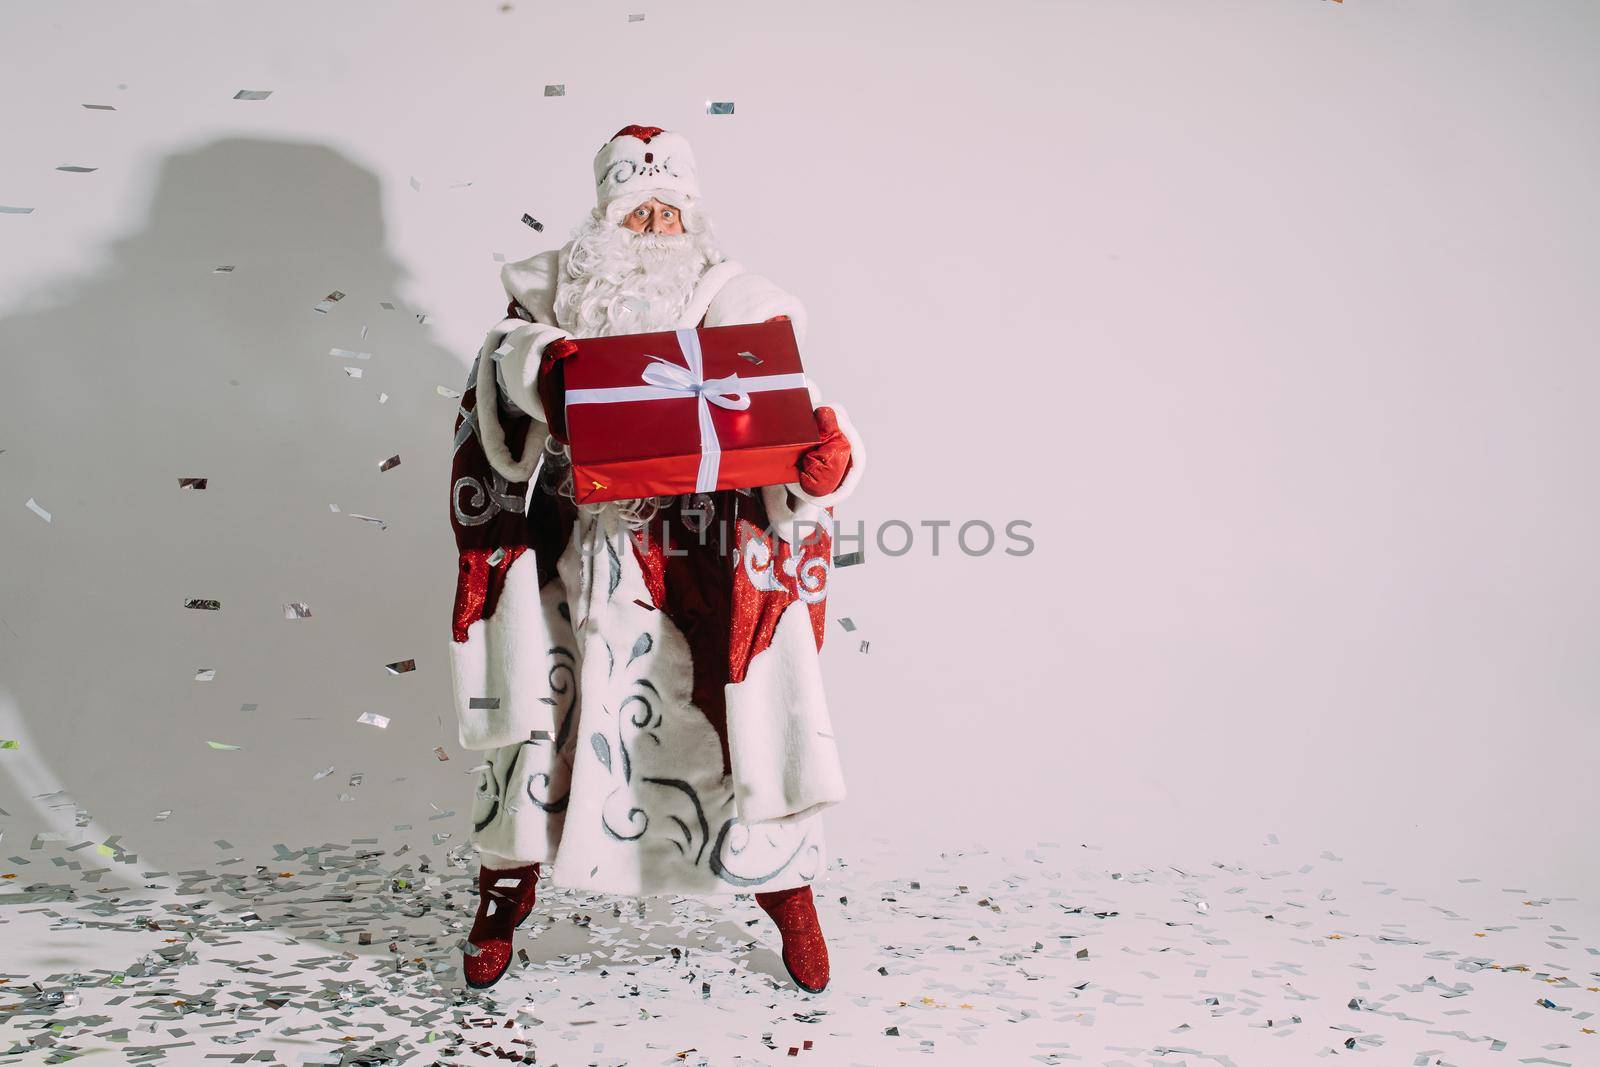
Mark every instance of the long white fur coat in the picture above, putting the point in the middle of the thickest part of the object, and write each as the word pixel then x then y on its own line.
pixel 578 687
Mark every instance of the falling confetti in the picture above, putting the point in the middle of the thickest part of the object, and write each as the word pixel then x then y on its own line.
pixel 719 107
pixel 203 605
pixel 34 507
pixel 320 775
pixel 848 624
pixel 219 746
pixel 446 392
pixel 191 483
pixel 440 754
pixel 752 358
pixel 370 718
pixel 391 462
pixel 296 610
pixel 555 90
pixel 252 94
pixel 401 666
pixel 71 169
pixel 328 301
pixel 205 674
pixel 226 268
pixel 353 372
pixel 849 559
pixel 529 220
pixel 101 107
pixel 864 645
pixel 635 18
pixel 345 353
pixel 7 743
pixel 7 209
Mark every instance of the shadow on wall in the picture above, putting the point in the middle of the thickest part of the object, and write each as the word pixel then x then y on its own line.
pixel 158 368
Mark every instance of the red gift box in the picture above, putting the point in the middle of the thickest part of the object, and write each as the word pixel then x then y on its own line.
pixel 687 411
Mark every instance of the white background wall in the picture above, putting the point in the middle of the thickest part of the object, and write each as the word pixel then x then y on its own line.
pixel 1275 318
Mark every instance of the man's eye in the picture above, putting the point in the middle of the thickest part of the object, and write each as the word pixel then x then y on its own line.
pixel 666 214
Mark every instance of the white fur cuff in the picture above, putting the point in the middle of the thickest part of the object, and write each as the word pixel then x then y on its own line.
pixel 522 351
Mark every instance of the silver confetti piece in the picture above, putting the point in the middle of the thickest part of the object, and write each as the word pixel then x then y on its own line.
pixel 226 268
pixel 296 610
pixel 635 18
pixel 163 816
pixel 864 645
pixel 345 353
pixel 529 220
pixel 357 779
pixel 719 107
pixel 555 90
pixel 202 605
pixel 219 746
pixel 849 559
pixel 353 372
pixel 372 718
pixel 483 703
pixel 327 302
pixel 191 483
pixel 448 394
pixel 752 357
pixel 252 94
pixel 539 735
pixel 416 185
pixel 8 209
pixel 391 462
pixel 71 169
pixel 385 305
pixel 440 754
pixel 34 507
pixel 371 520
pixel 401 666
pixel 848 624
pixel 248 707
pixel 320 775
pixel 101 107
pixel 205 674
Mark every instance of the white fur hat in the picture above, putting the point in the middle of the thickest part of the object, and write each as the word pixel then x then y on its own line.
pixel 645 161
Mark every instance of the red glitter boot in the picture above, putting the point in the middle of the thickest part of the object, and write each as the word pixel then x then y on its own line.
pixel 505 899
pixel 805 953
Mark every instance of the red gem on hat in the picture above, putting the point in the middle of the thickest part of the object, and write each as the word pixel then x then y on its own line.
pixel 644 133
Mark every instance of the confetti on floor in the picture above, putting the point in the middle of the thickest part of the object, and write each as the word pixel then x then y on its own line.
pixel 350 954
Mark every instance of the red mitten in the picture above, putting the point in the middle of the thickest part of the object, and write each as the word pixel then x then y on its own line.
pixel 552 392
pixel 822 469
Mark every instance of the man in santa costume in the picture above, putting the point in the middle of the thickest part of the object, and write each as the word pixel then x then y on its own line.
pixel 641 676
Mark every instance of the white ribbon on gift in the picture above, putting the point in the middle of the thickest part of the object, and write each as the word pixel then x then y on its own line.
pixel 665 380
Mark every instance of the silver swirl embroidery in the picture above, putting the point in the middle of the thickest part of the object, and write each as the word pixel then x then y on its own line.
pixel 811 583
pixel 758 565
pixel 492 499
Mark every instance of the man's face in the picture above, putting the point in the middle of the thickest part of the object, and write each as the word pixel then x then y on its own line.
pixel 653 216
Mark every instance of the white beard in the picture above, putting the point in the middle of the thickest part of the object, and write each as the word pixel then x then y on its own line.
pixel 617 281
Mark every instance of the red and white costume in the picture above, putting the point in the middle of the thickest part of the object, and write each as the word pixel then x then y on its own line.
pixel 649 702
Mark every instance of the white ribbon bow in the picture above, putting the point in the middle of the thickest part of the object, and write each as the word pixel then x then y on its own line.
pixel 665 380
